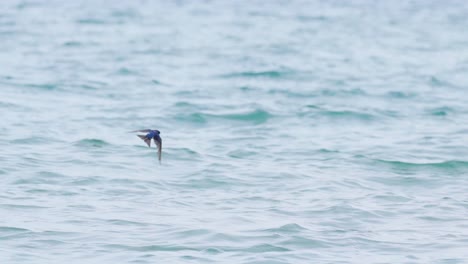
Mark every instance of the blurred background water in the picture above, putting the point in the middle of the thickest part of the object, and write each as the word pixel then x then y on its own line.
pixel 293 131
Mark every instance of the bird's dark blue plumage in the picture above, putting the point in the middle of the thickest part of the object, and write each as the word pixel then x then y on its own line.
pixel 152 134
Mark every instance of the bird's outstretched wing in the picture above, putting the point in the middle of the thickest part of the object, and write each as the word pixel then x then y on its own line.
pixel 145 139
pixel 142 131
pixel 158 142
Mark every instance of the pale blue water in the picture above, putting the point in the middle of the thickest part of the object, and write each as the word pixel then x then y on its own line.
pixel 293 131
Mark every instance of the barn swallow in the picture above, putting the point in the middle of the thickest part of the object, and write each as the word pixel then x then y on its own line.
pixel 151 134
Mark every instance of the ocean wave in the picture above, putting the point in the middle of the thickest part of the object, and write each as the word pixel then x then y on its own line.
pixel 72 44
pixel 342 92
pixel 315 111
pixel 292 228
pixel 401 95
pixel 207 183
pixel 35 140
pixel 182 154
pixel 13 233
pixel 262 126
pixel 262 248
pixel 301 242
pixel 348 114
pixel 446 165
pixel 441 111
pixel 52 192
pixel 332 93
pixel 44 86
pixel 91 142
pixel 42 177
pixel 257 248
pixel 91 21
pixel 257 116
pixel 12 229
pixel 85 181
pixel 149 248
pixel 196 118
pixel 372 114
pixel 274 74
pixel 9 106
pixel 159 83
pixel 241 153
pixel 437 82
pixel 120 222
pixel 184 105
pixel 22 207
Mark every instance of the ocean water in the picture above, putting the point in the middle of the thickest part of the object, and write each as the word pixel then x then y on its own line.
pixel 293 131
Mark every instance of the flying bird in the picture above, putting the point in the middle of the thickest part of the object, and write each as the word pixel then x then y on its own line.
pixel 151 134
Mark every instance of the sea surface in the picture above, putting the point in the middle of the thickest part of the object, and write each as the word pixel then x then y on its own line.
pixel 293 131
